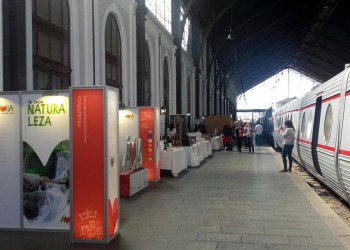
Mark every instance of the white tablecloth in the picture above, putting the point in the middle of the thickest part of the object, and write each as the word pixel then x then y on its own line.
pixel 202 152
pixel 192 155
pixel 215 142
pixel 174 160
pixel 209 150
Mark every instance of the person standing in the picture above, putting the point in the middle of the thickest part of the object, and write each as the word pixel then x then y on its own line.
pixel 249 137
pixel 171 131
pixel 227 131
pixel 288 145
pixel 245 131
pixel 239 136
pixel 258 133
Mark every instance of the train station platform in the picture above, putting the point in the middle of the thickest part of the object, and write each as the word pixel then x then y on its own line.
pixel 232 201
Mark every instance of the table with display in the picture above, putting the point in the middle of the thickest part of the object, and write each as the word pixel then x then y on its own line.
pixel 173 159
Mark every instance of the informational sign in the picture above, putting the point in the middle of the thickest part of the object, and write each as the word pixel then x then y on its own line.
pixel 88 164
pixel 95 176
pixel 148 137
pixel 45 136
pixel 180 122
pixel 10 170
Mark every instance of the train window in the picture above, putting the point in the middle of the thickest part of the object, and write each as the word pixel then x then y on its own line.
pixel 328 122
pixel 309 125
pixel 303 126
pixel 291 118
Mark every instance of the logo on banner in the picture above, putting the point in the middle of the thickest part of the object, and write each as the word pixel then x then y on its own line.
pixel 129 116
pixel 6 109
pixel 90 226
pixel 39 112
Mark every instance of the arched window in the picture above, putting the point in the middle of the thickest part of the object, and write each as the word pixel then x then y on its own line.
pixel 188 94
pixel 328 122
pixel 166 89
pixel 113 55
pixel 147 79
pixel 51 44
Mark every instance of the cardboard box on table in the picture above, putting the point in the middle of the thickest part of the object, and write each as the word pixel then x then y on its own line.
pixel 94 161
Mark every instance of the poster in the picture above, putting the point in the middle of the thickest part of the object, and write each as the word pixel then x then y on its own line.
pixel 45 145
pixel 180 122
pixel 10 170
pixel 112 162
pixel 88 149
pixel 149 139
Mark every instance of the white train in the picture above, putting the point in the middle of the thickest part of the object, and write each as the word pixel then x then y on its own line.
pixel 322 122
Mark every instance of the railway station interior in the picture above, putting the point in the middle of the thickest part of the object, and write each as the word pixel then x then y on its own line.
pixel 119 124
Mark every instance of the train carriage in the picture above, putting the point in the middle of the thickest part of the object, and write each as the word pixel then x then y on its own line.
pixel 317 152
pixel 322 142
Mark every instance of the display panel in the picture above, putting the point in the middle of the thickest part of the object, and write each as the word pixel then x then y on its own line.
pixel 10 165
pixel 45 136
pixel 148 137
pixel 88 164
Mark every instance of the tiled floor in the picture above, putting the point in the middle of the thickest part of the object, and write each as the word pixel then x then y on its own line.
pixel 233 201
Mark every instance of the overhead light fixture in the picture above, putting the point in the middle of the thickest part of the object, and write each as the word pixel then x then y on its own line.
pixel 162 110
pixel 230 35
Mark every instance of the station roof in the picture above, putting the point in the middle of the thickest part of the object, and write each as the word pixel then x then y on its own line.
pixel 309 36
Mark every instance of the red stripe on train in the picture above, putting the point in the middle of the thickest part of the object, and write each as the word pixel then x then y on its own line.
pixel 309 106
pixel 326 147
pixel 304 141
pixel 344 152
pixel 331 98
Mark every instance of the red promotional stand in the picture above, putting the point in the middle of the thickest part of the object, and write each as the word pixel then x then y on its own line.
pixel 149 133
pixel 94 164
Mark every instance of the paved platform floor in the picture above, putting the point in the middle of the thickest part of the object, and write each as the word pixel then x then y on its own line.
pixel 233 201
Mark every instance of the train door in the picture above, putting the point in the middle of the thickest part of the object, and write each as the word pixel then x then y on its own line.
pixel 315 133
pixel 305 138
pixel 343 159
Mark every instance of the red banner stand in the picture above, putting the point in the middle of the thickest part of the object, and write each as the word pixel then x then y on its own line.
pixel 94 164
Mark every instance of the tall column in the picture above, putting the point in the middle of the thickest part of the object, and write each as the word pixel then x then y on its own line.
pixel 141 11
pixel 176 26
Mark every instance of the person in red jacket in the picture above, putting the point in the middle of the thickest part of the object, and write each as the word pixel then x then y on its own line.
pixel 239 136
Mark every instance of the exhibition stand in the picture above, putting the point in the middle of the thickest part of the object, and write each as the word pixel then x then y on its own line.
pixel 34 153
pixel 133 176
pixel 94 161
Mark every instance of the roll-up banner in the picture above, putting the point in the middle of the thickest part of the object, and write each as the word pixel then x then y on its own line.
pixel 10 161
pixel 149 133
pixel 95 176
pixel 45 147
